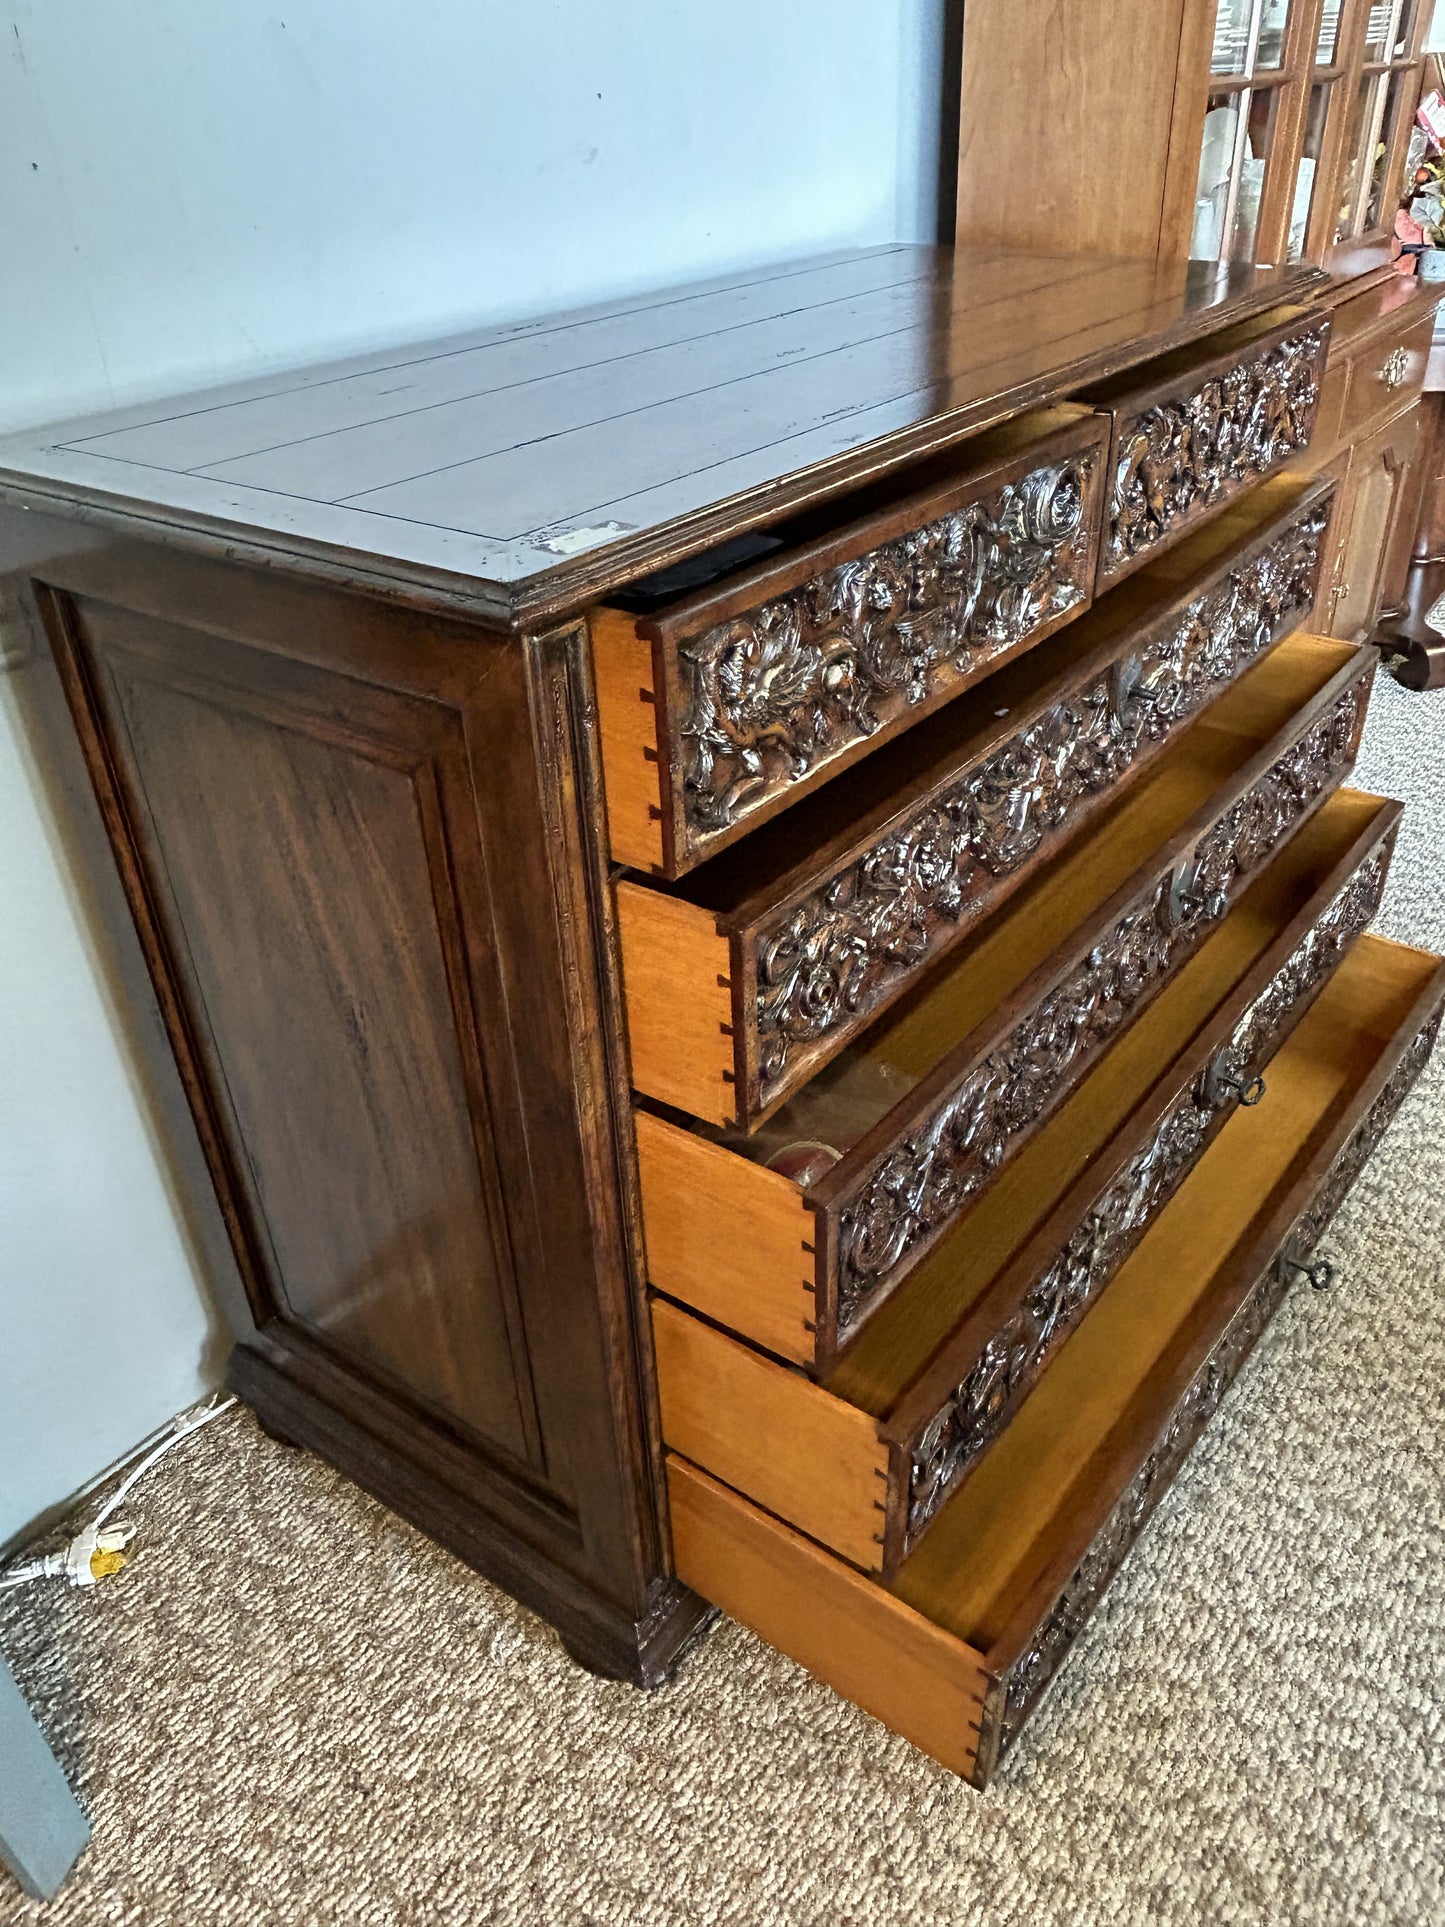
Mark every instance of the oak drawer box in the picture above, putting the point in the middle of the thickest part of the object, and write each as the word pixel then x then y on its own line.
pixel 1193 430
pixel 956 1653
pixel 931 1106
pixel 720 707
pixel 865 1461
pixel 754 973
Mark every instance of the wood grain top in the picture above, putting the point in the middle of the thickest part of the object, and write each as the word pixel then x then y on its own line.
pixel 527 469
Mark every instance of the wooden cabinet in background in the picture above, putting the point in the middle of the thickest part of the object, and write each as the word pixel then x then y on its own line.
pixel 1225 130
pixel 1369 442
pixel 1231 131
pixel 1375 524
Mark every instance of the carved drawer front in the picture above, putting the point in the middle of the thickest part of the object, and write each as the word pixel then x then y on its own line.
pixel 956 1652
pixel 864 1461
pixel 1195 429
pixel 795 1235
pixel 832 914
pixel 1385 375
pixel 722 701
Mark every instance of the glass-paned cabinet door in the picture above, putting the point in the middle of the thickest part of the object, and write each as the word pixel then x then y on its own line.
pixel 1327 35
pixel 1307 168
pixel 1257 65
pixel 1382 109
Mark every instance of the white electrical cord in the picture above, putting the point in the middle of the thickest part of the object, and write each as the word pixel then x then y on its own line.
pixel 99 1550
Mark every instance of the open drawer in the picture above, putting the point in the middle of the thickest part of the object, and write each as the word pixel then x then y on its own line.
pixel 1193 429
pixel 822 920
pixel 921 1118
pixel 956 1653
pixel 864 1461
pixel 721 700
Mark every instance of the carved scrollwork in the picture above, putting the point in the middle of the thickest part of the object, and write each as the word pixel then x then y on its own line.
pixel 1183 455
pixel 906 1199
pixel 1361 1144
pixel 1032 1672
pixel 973 1415
pixel 844 947
pixel 773 692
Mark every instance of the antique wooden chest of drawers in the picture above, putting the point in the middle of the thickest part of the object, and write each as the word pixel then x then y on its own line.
pixel 745 913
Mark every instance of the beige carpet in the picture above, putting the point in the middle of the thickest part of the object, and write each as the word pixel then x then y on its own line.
pixel 293 1708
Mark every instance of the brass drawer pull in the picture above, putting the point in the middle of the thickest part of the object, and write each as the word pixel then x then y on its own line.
pixel 1396 368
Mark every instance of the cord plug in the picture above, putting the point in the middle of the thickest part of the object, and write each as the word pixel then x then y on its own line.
pixel 98 1552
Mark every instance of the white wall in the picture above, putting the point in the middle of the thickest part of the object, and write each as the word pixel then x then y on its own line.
pixel 196 189
pixel 102 1325
pixel 192 188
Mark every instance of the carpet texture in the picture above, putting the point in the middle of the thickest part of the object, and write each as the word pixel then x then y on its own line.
pixel 293 1708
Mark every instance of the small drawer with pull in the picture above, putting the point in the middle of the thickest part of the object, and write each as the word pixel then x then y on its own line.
pixel 1385 376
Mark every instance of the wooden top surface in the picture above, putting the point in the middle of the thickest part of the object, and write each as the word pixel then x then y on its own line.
pixel 527 469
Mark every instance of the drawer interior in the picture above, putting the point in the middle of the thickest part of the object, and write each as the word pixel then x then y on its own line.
pixel 896 1346
pixel 814 1452
pixel 849 1097
pixel 945 1652
pixel 1028 1514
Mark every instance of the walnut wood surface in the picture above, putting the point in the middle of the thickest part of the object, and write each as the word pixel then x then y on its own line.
pixel 942 1428
pixel 321 640
pixel 528 468
pixel 1346 1072
pixel 1107 75
pixel 1024 1522
pixel 381 976
pixel 786 671
pixel 1246 783
pixel 1200 426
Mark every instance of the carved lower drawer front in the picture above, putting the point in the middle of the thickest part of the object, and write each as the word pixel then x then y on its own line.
pixel 721 706
pixel 878 1448
pixel 957 1651
pixel 1017 1692
pixel 829 1254
pixel 942 1430
pixel 1206 428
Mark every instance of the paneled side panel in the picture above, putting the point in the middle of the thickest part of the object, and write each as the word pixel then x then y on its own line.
pixel 303 871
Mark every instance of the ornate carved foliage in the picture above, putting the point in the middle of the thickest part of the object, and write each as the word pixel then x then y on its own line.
pixel 920 1186
pixel 978 1409
pixel 844 948
pixel 772 693
pixel 1035 1668
pixel 1180 456
pixel 1362 1143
